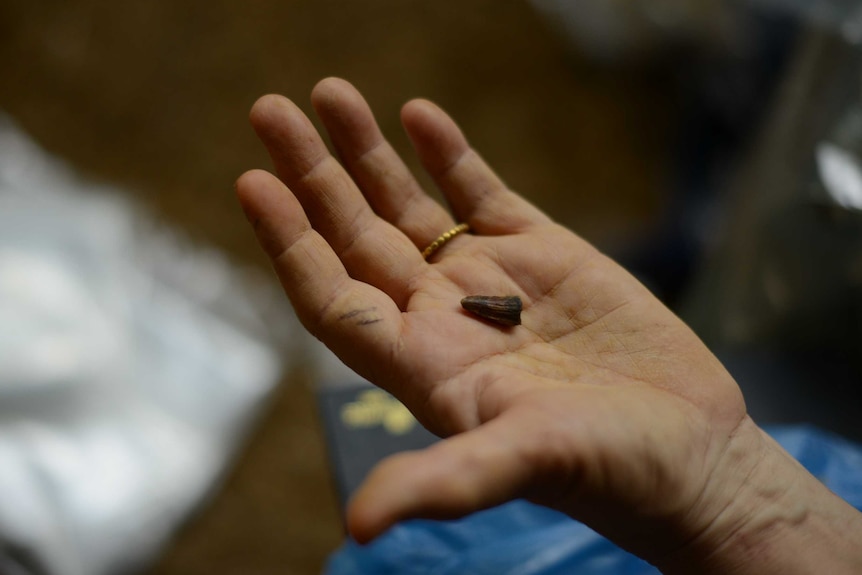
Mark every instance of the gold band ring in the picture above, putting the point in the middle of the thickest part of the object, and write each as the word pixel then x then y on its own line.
pixel 443 240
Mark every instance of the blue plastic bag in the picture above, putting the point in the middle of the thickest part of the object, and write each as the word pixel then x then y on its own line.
pixel 524 539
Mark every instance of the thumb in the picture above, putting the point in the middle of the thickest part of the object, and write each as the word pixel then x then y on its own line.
pixel 475 470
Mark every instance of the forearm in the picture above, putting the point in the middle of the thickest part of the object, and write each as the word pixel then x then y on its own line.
pixel 779 519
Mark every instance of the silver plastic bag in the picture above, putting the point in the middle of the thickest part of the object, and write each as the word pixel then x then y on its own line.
pixel 130 364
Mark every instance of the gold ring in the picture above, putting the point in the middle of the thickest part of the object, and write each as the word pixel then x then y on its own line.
pixel 443 240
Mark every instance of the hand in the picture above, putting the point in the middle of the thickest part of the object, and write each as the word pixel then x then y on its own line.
pixel 602 404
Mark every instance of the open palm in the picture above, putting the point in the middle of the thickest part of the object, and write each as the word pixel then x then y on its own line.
pixel 601 404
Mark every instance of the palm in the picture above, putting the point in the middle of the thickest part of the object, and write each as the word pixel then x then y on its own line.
pixel 596 357
pixel 578 329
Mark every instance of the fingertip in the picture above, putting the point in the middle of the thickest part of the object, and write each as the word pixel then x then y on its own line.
pixel 244 187
pixel 347 116
pixel 385 497
pixel 249 179
pixel 266 109
pixel 279 122
pixel 435 136
pixel 419 112
pixel 253 190
pixel 336 101
pixel 271 209
pixel 363 524
pixel 288 135
pixel 249 185
pixel 329 91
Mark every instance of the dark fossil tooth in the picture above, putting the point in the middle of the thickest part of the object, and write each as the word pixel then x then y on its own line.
pixel 505 310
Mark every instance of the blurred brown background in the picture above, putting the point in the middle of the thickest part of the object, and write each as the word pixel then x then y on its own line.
pixel 153 96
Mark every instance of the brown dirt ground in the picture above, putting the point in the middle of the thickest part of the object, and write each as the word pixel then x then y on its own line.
pixel 152 95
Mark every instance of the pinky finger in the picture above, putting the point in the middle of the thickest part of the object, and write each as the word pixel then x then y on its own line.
pixel 357 321
pixel 302 259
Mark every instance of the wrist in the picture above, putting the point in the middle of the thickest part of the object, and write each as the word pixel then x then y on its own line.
pixel 769 515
